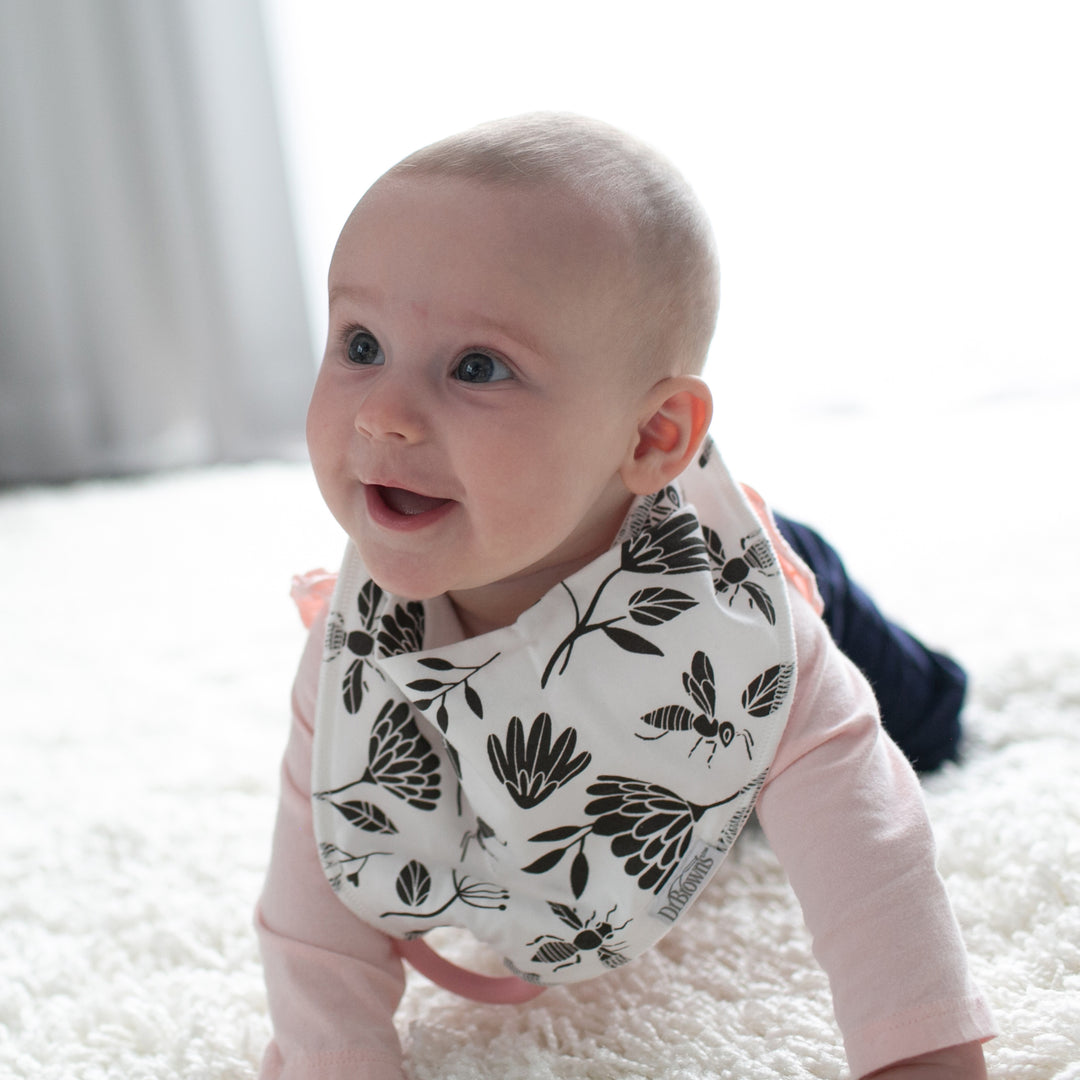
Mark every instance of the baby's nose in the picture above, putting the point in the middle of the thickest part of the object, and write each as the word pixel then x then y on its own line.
pixel 391 409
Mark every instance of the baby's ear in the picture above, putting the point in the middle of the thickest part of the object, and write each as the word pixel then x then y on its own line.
pixel 675 419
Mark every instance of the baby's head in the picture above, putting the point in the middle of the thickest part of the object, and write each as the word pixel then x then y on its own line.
pixel 517 317
pixel 665 256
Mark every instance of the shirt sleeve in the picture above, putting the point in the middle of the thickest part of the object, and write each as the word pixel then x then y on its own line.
pixel 844 813
pixel 333 982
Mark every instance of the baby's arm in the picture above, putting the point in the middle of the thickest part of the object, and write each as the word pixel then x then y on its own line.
pixel 844 813
pixel 333 982
pixel 964 1062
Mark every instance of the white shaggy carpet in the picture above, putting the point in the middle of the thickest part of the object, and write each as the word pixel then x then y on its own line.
pixel 147 648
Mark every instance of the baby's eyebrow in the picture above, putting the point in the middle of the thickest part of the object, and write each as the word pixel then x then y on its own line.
pixel 515 335
pixel 366 293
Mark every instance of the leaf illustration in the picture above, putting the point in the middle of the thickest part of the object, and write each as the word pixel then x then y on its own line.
pixel 545 862
pixel 579 874
pixel 425 686
pixel 472 699
pixel 435 663
pixel 670 718
pixel 766 693
pixel 653 606
pixel 552 836
pixel 365 816
pixel 442 718
pixel 631 642
pixel 413 884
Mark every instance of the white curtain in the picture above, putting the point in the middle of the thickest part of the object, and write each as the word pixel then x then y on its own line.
pixel 151 307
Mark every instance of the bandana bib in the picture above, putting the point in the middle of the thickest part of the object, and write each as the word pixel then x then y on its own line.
pixel 564 787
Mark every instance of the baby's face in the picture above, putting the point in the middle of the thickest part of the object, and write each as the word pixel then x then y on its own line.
pixel 475 402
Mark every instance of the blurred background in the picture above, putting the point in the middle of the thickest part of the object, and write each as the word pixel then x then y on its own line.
pixel 893 188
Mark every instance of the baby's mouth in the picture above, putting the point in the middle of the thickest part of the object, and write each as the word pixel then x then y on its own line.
pixel 408 503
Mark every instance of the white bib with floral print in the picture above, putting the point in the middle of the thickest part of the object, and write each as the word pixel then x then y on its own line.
pixel 563 787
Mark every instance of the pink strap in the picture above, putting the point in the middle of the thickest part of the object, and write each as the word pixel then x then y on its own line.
pixel 311 592
pixel 505 990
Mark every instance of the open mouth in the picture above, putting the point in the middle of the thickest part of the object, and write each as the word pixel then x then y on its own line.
pixel 408 503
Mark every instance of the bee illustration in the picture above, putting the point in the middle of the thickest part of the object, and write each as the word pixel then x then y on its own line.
pixel 481 835
pixel 588 936
pixel 700 683
pixel 731 575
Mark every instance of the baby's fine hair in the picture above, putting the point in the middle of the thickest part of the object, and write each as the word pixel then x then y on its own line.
pixel 624 179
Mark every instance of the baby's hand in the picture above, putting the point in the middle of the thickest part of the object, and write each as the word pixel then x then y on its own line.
pixel 963 1062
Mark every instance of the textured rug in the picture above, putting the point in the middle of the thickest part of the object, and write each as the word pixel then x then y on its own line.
pixel 147 649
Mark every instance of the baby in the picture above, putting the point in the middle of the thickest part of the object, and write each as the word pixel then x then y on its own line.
pixel 566 656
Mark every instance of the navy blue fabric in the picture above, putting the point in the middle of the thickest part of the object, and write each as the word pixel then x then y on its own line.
pixel 920 691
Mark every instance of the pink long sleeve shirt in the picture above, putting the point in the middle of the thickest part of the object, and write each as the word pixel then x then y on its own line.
pixel 841 808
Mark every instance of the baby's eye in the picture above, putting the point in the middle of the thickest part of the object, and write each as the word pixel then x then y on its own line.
pixel 364 349
pixel 478 367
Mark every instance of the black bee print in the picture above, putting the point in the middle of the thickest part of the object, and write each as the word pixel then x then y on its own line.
pixel 361 643
pixel 588 935
pixel 700 683
pixel 481 834
pixel 531 769
pixel 439 688
pixel 733 575
pixel 669 547
pixel 400 760
pixel 414 885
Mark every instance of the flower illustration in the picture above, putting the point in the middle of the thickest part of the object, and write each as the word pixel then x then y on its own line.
pixel 670 547
pixel 402 631
pixel 414 886
pixel 532 769
pixel 400 759
pixel 650 827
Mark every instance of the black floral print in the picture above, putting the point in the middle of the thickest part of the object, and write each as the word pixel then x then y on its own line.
pixel 400 760
pixel 531 769
pixel 402 631
pixel 414 885
pixel 439 688
pixel 671 546
pixel 649 827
